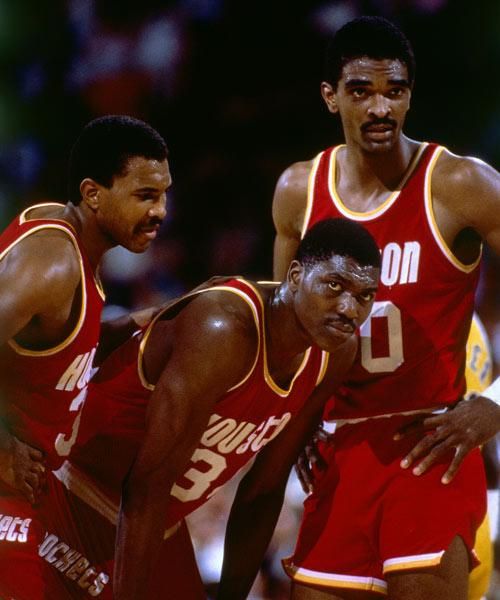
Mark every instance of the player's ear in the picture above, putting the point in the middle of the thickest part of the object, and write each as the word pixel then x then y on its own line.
pixel 294 275
pixel 89 191
pixel 329 96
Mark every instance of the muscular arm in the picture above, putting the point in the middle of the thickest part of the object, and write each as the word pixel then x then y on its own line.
pixel 38 279
pixel 259 498
pixel 466 201
pixel 289 205
pixel 214 348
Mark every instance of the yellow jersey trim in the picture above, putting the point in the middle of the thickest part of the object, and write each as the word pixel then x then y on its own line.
pixel 419 561
pixel 386 204
pixel 24 218
pixel 243 295
pixel 65 343
pixel 325 357
pixel 433 224
pixel 310 194
pixel 334 580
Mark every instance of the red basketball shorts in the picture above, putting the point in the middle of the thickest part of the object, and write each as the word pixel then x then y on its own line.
pixel 368 516
pixel 21 573
pixel 78 549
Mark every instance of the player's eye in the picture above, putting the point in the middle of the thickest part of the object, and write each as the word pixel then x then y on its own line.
pixel 368 297
pixel 359 92
pixel 396 92
pixel 335 286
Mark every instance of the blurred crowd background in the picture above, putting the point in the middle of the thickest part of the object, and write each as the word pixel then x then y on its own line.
pixel 233 86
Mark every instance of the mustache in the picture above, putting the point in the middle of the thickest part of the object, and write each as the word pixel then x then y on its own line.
pixel 384 121
pixel 343 320
pixel 153 222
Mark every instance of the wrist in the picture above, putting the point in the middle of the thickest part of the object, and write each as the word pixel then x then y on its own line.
pixel 492 392
pixel 6 439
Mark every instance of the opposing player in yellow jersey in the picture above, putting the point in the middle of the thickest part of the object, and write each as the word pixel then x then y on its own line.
pixel 478 375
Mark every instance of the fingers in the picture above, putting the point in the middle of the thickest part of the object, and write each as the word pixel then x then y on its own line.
pixel 36 455
pixel 408 429
pixel 303 474
pixel 460 453
pixel 314 457
pixel 432 447
pixel 322 435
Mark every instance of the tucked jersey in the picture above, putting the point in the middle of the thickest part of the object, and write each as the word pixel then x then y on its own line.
pixel 43 391
pixel 245 419
pixel 412 347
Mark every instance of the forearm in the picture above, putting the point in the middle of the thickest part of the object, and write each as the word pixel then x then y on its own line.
pixel 249 530
pixel 138 539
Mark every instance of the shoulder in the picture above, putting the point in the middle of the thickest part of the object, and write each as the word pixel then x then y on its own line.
pixel 458 176
pixel 217 317
pixel 290 196
pixel 47 259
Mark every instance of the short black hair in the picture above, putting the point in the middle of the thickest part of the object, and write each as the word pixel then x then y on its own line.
pixel 104 147
pixel 374 37
pixel 338 236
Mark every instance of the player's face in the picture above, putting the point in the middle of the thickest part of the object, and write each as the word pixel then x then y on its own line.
pixel 372 99
pixel 332 298
pixel 130 212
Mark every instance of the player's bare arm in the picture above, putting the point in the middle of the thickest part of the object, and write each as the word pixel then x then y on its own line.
pixel 38 278
pixel 259 498
pixel 466 202
pixel 289 206
pixel 213 349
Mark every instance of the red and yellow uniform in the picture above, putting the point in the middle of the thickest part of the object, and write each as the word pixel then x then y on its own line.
pixel 42 394
pixel 245 419
pixel 367 516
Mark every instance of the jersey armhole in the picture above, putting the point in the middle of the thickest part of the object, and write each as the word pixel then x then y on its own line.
pixel 431 219
pixel 83 304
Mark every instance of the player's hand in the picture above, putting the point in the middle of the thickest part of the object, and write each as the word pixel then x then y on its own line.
pixel 22 467
pixel 309 458
pixel 468 425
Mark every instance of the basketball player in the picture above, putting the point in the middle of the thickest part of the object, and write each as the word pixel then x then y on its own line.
pixel 371 527
pixel 222 373
pixel 478 375
pixel 50 309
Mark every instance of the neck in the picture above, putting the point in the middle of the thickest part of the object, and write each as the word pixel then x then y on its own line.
pixel 378 168
pixel 285 338
pixel 90 235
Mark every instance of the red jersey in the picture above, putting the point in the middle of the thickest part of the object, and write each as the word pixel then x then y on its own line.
pixel 412 351
pixel 44 390
pixel 246 418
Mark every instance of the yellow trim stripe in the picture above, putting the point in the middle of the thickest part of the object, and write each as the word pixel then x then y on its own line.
pixel 418 561
pixel 334 580
pixel 243 295
pixel 432 219
pixel 273 385
pixel 310 194
pixel 325 357
pixel 23 217
pixel 386 204
pixel 172 530
pixel 64 344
